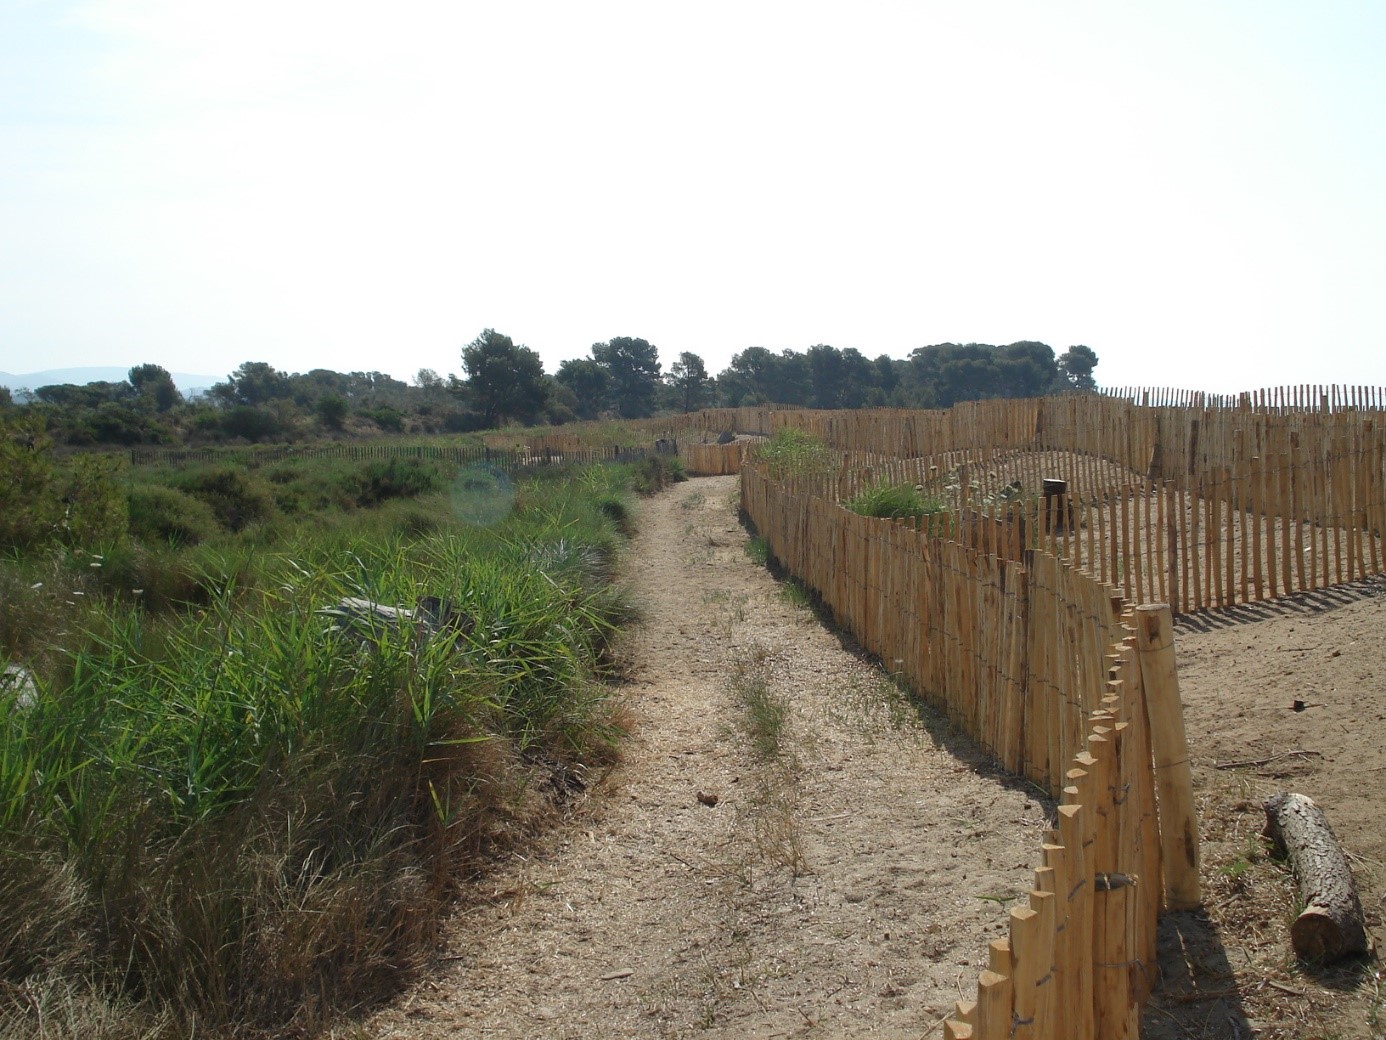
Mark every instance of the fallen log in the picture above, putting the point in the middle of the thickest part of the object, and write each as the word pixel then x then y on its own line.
pixel 1331 926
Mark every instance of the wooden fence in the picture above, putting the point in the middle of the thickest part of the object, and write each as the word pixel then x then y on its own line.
pixel 1205 504
pixel 1039 662
pixel 713 460
pixel 1300 398
pixel 1246 540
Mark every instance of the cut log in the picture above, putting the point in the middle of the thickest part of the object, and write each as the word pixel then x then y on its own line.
pixel 1331 926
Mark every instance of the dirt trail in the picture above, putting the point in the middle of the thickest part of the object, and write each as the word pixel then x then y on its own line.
pixel 844 887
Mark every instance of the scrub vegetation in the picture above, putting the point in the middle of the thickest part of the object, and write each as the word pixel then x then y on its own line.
pixel 222 813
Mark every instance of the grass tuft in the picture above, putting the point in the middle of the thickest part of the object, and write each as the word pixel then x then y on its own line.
pixel 895 502
pixel 758 551
pixel 763 713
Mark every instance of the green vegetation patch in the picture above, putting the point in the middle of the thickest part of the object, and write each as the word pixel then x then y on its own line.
pixel 224 810
pixel 896 502
pixel 796 453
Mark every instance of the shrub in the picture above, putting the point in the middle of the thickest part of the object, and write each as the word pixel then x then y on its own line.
pixel 160 578
pixel 94 506
pixel 655 473
pixel 390 420
pixel 332 410
pixel 167 515
pixel 254 424
pixel 28 511
pixel 237 498
pixel 382 479
pixel 41 502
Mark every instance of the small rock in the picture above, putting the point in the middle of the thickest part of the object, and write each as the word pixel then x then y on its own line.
pixel 619 973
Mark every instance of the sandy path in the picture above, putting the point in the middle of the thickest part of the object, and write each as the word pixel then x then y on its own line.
pixel 840 888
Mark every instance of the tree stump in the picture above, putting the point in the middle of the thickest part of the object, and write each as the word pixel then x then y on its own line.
pixel 1331 926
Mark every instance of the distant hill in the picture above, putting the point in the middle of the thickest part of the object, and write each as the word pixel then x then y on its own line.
pixel 186 382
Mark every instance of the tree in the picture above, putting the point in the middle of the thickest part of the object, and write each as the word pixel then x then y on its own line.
pixel 590 384
pixel 507 381
pixel 825 373
pixel 838 378
pixel 749 379
pixel 1076 365
pixel 332 410
pixel 858 379
pixel 85 395
pixel 253 383
pixel 153 383
pixel 1026 369
pixel 688 375
pixel 633 367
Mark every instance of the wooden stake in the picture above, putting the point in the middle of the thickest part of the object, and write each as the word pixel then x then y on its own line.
pixel 993 1006
pixel 1075 1007
pixel 1178 821
pixel 1028 965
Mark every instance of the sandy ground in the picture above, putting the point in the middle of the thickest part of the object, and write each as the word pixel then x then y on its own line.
pixel 847 884
pixel 1228 970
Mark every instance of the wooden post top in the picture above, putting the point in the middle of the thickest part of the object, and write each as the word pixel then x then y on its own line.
pixel 1154 626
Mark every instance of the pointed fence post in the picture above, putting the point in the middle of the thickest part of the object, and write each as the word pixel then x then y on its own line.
pixel 1178 821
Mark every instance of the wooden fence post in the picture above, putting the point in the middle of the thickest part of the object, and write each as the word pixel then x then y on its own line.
pixel 1178 821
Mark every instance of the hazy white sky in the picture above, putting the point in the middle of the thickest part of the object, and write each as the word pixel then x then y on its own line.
pixel 1196 190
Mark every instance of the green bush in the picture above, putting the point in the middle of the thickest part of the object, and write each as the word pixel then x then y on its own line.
pixel 237 498
pixel 302 487
pixel 253 424
pixel 655 473
pixel 29 511
pixel 95 512
pixel 42 502
pixel 382 479
pixel 165 515
pixel 390 420
pixel 157 577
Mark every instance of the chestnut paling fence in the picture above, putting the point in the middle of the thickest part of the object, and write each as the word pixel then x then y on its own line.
pixel 1203 502
pixel 1011 613
pixel 1039 662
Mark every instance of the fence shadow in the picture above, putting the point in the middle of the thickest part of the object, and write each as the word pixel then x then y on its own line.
pixel 1197 995
pixel 1314 601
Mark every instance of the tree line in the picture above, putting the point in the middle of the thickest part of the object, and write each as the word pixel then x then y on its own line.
pixel 505 382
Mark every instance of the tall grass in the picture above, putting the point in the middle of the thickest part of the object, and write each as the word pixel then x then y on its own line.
pixel 223 816
pixel 796 453
pixel 896 502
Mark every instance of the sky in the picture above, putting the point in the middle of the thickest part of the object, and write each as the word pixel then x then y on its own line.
pixel 1195 190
